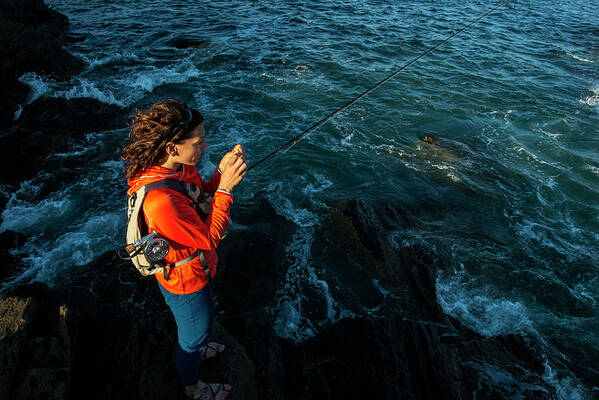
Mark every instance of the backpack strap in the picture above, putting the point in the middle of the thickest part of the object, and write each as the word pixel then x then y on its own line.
pixel 167 183
pixel 181 188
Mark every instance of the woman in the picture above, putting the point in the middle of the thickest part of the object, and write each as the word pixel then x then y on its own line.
pixel 167 141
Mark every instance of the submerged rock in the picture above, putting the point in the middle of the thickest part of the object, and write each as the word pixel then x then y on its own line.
pixel 186 41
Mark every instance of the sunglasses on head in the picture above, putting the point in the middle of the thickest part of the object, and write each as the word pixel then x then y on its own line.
pixel 183 125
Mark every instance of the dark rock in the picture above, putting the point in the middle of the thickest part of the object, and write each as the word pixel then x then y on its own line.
pixel 35 345
pixel 10 240
pixel 367 225
pixel 249 272
pixel 36 49
pixel 50 125
pixel 13 94
pixel 116 334
pixel 393 358
pixel 418 352
pixel 234 367
pixel 72 118
pixel 43 383
pixel 11 265
pixel 359 231
pixel 254 331
pixel 394 218
pixel 31 36
pixel 32 12
pixel 127 338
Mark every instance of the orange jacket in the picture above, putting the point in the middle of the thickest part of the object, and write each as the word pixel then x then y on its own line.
pixel 171 214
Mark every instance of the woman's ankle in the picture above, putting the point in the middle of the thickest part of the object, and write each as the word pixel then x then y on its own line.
pixel 199 385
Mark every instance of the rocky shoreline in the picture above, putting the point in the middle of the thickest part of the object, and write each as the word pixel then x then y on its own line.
pixel 104 332
pixel 107 333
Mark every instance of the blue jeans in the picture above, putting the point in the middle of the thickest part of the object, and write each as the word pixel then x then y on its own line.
pixel 193 314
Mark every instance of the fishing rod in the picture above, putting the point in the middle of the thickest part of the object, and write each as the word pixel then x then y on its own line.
pixel 289 144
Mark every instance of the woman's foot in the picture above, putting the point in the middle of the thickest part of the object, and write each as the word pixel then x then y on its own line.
pixel 211 349
pixel 208 391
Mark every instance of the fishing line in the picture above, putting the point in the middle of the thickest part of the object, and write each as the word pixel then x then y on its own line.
pixel 288 145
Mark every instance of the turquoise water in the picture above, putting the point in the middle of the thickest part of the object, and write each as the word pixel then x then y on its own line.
pixel 508 197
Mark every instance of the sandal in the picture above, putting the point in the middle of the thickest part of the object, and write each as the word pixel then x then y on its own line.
pixel 208 392
pixel 215 347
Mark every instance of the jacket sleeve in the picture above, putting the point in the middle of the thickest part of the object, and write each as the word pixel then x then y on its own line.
pixel 213 183
pixel 171 215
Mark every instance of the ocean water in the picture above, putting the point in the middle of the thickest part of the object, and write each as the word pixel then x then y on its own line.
pixel 508 197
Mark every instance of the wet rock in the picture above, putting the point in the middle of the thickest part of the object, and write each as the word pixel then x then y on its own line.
pixel 31 36
pixel 10 264
pixel 367 225
pixel 127 338
pixel 424 354
pixel 50 125
pixel 361 233
pixel 116 334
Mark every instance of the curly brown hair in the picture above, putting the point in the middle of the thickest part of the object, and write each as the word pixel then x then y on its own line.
pixel 166 121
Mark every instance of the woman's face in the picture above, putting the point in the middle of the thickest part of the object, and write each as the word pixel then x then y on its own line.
pixel 190 150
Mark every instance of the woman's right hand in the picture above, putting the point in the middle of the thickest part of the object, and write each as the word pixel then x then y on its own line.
pixel 234 170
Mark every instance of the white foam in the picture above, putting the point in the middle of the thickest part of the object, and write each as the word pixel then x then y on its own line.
pixel 17 113
pixel 22 216
pixel 554 136
pixel 283 206
pixel 153 77
pixel 380 288
pixel 574 56
pixel 77 247
pixel 593 169
pixel 317 184
pixel 528 153
pixel 481 312
pixel 38 86
pixel 88 89
pixel 566 387
pixel 289 322
pixel 552 234
pixel 592 100
pixel 582 293
pixel 449 171
pixel 272 77
pixel 388 148
pixel 116 58
pixel 493 376
pixel 289 313
pixel 346 141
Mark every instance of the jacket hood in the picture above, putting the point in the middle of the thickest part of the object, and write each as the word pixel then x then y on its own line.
pixel 157 173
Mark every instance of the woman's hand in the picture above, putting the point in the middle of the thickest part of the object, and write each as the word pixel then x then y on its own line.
pixel 238 150
pixel 234 168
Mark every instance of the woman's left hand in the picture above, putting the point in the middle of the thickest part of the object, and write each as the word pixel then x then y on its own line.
pixel 237 151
